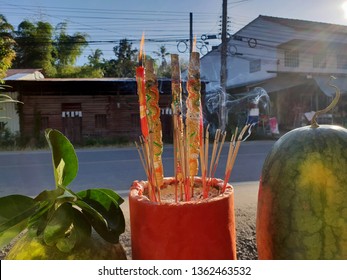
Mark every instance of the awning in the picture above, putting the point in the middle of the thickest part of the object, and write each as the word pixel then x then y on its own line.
pixel 323 83
pixel 282 82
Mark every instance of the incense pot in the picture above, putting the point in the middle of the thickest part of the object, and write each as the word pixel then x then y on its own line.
pixel 202 229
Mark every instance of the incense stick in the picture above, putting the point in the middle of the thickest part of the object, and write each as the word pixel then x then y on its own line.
pixel 190 140
pixel 218 154
pixel 145 149
pixel 176 106
pixel 214 150
pixel 232 156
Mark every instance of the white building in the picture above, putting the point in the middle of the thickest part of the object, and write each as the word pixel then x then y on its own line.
pixel 291 59
pixel 8 111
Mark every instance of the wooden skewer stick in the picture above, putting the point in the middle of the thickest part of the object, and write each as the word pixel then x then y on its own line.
pixel 186 160
pixel 144 150
pixel 218 154
pixel 149 163
pixel 144 164
pixel 214 150
pixel 204 161
pixel 207 140
pixel 232 157
pixel 204 158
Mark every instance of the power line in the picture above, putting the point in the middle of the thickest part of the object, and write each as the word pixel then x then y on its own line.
pixel 108 26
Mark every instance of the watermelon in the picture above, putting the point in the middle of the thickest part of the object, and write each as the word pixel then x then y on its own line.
pixel 302 200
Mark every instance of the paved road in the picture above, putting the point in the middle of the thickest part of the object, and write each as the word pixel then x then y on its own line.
pixel 30 172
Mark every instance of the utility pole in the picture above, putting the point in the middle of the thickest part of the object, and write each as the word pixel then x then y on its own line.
pixel 190 33
pixel 224 70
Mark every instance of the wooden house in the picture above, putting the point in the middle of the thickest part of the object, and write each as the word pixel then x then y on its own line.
pixel 86 108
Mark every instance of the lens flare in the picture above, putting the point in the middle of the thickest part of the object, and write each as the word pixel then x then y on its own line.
pixel 344 8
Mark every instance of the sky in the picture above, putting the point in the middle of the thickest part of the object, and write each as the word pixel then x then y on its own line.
pixel 164 22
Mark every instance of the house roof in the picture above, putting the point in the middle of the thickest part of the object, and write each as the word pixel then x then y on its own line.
pixel 290 80
pixel 299 24
pixel 24 74
pixel 325 84
pixel 88 86
pixel 281 82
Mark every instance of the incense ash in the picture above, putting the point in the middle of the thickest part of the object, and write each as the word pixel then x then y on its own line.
pixel 168 191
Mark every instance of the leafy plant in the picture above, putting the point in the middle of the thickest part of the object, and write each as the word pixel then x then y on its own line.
pixel 62 217
pixel 4 98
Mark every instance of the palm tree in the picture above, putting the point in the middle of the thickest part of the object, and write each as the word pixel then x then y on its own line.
pixel 163 71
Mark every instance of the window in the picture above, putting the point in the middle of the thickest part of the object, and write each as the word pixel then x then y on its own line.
pixel 341 61
pixel 100 121
pixel 320 60
pixel 71 110
pixel 291 58
pixel 254 65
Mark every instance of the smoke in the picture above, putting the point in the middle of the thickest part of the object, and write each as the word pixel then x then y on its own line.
pixel 238 108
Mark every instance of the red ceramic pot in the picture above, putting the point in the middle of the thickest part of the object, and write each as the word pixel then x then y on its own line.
pixel 203 229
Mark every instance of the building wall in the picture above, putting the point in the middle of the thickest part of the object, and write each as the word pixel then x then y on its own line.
pixel 91 116
pixel 8 113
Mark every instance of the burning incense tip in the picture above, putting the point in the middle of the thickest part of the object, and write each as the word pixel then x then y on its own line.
pixel 194 44
pixel 142 52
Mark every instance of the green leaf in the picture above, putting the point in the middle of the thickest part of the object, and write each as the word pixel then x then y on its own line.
pixel 8 235
pixel 50 195
pixel 15 211
pixel 67 243
pixel 101 207
pixel 59 224
pixel 64 158
pixel 67 228
pixel 115 197
pixel 82 227
pixel 39 219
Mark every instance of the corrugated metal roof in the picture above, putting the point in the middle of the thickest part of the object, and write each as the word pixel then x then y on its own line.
pixel 23 74
pixel 300 24
pixel 323 81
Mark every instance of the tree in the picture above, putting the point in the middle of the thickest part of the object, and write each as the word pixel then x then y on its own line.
pixel 94 59
pixel 7 53
pixel 164 70
pixel 162 54
pixel 35 46
pixel 125 63
pixel 68 47
pixel 85 71
pixel 39 47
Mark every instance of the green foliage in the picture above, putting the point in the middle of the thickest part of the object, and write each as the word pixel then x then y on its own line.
pixel 164 70
pixel 68 47
pixel 34 46
pixel 15 211
pixel 85 71
pixel 39 45
pixel 61 217
pixel 65 162
pixel 8 140
pixel 94 59
pixel 7 54
pixel 125 63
